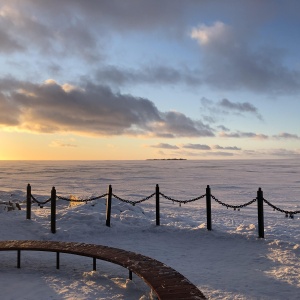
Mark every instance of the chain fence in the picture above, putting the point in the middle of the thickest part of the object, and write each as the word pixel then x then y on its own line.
pixel 286 212
pixel 81 200
pixel 133 202
pixel 182 201
pixel 235 207
pixel 40 203
pixel 259 199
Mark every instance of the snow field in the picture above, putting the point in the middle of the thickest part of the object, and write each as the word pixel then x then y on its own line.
pixel 229 262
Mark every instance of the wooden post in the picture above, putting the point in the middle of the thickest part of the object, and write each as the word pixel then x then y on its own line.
pixel 53 210
pixel 157 205
pixel 28 202
pixel 208 208
pixel 94 264
pixel 260 213
pixel 57 260
pixel 19 259
pixel 108 205
pixel 130 275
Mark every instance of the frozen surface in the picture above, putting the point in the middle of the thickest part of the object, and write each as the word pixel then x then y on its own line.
pixel 229 262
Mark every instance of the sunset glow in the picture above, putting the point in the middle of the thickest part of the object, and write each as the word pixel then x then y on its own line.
pixel 149 79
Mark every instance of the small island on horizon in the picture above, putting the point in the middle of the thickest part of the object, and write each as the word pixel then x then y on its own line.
pixel 166 159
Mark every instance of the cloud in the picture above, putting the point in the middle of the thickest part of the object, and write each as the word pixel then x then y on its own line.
pixel 155 74
pixel 275 153
pixel 197 147
pixel 66 28
pixel 225 107
pixel 223 128
pixel 204 153
pixel 281 152
pixel 57 32
pixel 176 124
pixel 244 135
pixel 244 107
pixel 207 35
pixel 229 61
pixel 62 144
pixel 9 113
pixel 234 148
pixel 281 136
pixel 24 29
pixel 89 109
pixel 285 135
pixel 221 153
pixel 84 30
pixel 124 16
pixel 271 153
pixel 8 45
pixel 164 146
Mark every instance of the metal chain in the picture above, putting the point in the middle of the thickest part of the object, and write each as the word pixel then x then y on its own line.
pixel 40 202
pixel 134 202
pixel 233 206
pixel 287 212
pixel 182 201
pixel 81 200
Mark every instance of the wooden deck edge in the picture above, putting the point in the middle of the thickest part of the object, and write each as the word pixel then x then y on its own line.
pixel 165 281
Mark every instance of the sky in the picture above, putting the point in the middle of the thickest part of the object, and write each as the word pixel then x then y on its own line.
pixel 137 79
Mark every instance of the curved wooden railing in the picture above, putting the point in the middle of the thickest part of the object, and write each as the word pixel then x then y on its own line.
pixel 166 282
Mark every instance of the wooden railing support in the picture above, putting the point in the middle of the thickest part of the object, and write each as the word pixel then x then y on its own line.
pixel 157 205
pixel 208 208
pixel 53 210
pixel 19 259
pixel 108 205
pixel 57 261
pixel 94 264
pixel 260 213
pixel 28 202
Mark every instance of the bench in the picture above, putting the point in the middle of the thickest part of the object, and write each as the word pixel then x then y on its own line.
pixel 166 282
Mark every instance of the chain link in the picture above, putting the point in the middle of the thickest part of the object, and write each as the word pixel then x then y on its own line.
pixel 81 200
pixel 133 202
pixel 182 201
pixel 287 212
pixel 40 202
pixel 233 206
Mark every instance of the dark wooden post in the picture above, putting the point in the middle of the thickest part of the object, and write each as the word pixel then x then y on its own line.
pixel 108 205
pixel 19 259
pixel 260 213
pixel 94 264
pixel 157 205
pixel 53 210
pixel 28 202
pixel 57 260
pixel 208 208
pixel 130 275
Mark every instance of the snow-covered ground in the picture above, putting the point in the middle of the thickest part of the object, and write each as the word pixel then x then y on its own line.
pixel 229 262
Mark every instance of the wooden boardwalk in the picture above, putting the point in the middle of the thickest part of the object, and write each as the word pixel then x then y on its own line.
pixel 167 283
